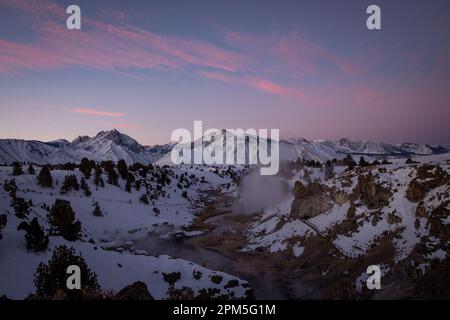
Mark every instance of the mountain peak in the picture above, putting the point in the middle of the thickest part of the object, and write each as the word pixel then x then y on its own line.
pixel 81 139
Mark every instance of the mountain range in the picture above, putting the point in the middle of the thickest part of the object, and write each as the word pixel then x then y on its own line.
pixel 114 145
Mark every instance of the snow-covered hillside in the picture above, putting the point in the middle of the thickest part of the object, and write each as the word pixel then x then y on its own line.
pixel 151 200
pixel 396 215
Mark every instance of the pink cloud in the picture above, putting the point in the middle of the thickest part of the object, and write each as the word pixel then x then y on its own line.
pixel 260 84
pixel 106 46
pixel 97 112
pixel 293 54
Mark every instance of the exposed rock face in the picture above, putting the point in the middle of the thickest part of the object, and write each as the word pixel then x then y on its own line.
pixel 428 177
pixel 438 228
pixel 351 212
pixel 371 193
pixel 393 218
pixel 340 197
pixel 135 291
pixel 311 200
pixel 421 212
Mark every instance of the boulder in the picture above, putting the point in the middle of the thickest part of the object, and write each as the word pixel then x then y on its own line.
pixel 135 291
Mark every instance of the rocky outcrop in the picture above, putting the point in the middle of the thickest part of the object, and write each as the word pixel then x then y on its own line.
pixel 135 291
pixel 427 177
pixel 371 193
pixel 421 212
pixel 340 197
pixel 436 224
pixel 393 218
pixel 310 200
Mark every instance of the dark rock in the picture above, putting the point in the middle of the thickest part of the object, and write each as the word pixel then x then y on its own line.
pixel 310 201
pixel 135 291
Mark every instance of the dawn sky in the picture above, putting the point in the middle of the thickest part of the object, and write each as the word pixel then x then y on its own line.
pixel 310 68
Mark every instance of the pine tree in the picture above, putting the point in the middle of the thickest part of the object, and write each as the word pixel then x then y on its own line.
pixel 52 276
pixel 113 177
pixel 44 179
pixel 85 187
pixel 62 220
pixel 31 169
pixel 122 168
pixel 98 181
pixel 362 162
pixel 85 168
pixel 111 172
pixel 17 169
pixel 130 180
pixel 37 240
pixel 70 183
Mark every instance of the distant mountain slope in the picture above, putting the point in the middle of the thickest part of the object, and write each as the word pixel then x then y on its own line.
pixel 106 145
pixel 113 145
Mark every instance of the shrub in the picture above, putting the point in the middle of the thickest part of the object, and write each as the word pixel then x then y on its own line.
pixel 3 221
pixel 97 211
pixel 52 276
pixel 21 207
pixel 31 169
pixel 10 187
pixel 144 199
pixel 37 240
pixel 62 219
pixel 85 187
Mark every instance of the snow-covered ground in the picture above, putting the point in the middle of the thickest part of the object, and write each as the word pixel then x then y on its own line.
pixel 277 230
pixel 124 218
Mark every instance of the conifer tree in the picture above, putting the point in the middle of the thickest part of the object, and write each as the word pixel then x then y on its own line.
pixel 44 179
pixel 31 169
pixel 17 168
pixel 62 220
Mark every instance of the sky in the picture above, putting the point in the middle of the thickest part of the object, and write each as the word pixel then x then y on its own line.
pixel 309 68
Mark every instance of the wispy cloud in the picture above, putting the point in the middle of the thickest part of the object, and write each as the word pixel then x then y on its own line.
pixel 294 54
pixel 257 83
pixel 97 112
pixel 106 46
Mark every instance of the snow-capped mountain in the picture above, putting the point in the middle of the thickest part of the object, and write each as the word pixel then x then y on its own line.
pixel 106 145
pixel 323 150
pixel 113 145
pixel 318 150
